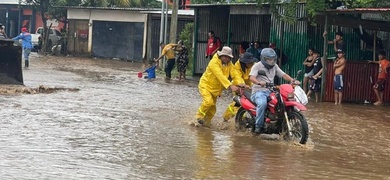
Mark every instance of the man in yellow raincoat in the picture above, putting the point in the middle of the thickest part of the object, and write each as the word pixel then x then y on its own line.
pixel 243 67
pixel 213 81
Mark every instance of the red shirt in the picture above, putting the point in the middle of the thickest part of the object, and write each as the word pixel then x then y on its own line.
pixel 211 46
pixel 383 64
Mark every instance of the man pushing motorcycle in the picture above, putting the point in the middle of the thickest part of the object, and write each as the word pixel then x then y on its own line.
pixel 259 91
pixel 213 81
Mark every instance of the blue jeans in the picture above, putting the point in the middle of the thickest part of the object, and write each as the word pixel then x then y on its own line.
pixel 26 53
pixel 260 98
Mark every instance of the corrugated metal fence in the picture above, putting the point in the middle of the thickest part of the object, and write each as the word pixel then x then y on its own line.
pixel 249 28
pixel 215 19
pixel 359 78
pixel 295 42
pixel 243 27
pixel 155 34
pixel 298 37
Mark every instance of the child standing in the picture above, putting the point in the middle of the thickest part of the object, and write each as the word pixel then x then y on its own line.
pixel 382 75
pixel 339 66
pixel 317 71
pixel 151 70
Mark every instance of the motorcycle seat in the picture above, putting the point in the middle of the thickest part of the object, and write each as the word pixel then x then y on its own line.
pixel 248 94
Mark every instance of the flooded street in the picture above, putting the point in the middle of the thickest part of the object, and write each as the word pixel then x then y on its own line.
pixel 100 121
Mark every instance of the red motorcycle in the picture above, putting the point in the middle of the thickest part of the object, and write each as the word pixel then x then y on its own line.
pixel 283 114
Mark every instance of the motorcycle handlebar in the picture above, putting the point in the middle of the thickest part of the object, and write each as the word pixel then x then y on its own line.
pixel 269 85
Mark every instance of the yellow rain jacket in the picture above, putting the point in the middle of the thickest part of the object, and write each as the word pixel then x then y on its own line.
pixel 211 84
pixel 216 76
pixel 244 75
pixel 231 110
pixel 168 51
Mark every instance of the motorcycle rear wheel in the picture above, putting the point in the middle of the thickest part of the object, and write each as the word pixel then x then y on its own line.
pixel 242 119
pixel 299 128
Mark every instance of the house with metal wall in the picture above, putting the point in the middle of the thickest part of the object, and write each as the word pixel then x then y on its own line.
pixel 153 33
pixel 368 32
pixel 14 16
pixel 234 23
pixel 123 33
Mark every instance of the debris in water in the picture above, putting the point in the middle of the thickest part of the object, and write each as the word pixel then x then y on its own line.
pixel 19 89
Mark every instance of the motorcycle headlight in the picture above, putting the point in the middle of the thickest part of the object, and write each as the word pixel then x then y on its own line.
pixel 291 96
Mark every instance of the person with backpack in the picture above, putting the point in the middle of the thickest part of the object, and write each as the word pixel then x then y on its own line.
pixel 213 45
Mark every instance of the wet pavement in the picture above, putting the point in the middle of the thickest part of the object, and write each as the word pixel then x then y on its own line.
pixel 86 118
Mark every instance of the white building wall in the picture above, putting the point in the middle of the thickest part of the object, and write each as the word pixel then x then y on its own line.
pixel 108 15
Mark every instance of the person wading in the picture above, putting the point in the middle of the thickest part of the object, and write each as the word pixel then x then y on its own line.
pixel 213 81
pixel 243 67
pixel 25 36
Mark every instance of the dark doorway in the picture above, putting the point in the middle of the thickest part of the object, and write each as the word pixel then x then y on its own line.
pixel 123 40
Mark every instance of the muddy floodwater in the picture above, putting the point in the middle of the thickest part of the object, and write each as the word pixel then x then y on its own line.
pixel 79 118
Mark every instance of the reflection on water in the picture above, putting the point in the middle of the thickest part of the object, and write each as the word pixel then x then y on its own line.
pixel 117 126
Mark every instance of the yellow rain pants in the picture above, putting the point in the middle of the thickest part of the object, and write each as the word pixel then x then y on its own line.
pixel 231 110
pixel 211 84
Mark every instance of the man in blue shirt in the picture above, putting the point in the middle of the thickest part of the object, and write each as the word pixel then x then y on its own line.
pixel 25 36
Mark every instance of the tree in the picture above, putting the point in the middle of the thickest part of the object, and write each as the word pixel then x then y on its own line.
pixel 58 12
pixel 207 1
pixel 313 6
pixel 43 7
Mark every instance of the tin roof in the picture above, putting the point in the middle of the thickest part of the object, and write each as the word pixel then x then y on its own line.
pixel 226 4
pixel 340 17
pixel 180 12
pixel 221 4
pixel 355 11
pixel 112 8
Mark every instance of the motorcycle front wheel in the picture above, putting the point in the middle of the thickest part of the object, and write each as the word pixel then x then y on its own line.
pixel 242 119
pixel 299 128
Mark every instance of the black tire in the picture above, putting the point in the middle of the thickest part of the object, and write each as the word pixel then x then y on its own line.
pixel 240 120
pixel 299 127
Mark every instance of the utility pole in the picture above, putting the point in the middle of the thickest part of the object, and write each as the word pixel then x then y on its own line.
pixel 20 16
pixel 173 30
pixel 166 22
pixel 324 62
pixel 165 29
pixel 162 26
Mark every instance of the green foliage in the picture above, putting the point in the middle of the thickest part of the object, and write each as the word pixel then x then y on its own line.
pixel 59 13
pixel 187 37
pixel 207 1
pixel 313 6
pixel 123 3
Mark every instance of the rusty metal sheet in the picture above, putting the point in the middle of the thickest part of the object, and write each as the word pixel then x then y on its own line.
pixel 359 78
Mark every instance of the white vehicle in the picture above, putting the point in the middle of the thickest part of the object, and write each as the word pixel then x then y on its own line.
pixel 54 37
